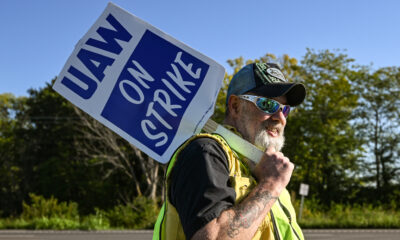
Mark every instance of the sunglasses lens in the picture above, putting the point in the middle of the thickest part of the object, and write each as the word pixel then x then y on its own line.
pixel 286 111
pixel 267 105
pixel 271 106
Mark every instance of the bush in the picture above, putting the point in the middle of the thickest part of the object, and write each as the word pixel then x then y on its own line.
pixel 53 223
pixel 44 213
pixel 41 208
pixel 140 214
pixel 98 221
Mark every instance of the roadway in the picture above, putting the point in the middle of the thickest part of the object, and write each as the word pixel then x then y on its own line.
pixel 324 234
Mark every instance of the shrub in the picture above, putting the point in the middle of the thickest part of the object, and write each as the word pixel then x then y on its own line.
pixel 41 208
pixel 97 221
pixel 53 223
pixel 140 214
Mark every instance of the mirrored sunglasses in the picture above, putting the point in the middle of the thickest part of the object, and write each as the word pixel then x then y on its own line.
pixel 267 105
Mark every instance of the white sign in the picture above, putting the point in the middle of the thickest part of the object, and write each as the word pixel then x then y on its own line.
pixel 303 189
pixel 148 87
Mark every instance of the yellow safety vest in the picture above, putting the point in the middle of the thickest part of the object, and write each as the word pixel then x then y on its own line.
pixel 280 223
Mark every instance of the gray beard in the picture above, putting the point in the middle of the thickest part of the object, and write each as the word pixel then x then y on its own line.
pixel 264 141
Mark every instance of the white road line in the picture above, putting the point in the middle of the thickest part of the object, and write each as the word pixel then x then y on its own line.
pixel 17 236
pixel 352 230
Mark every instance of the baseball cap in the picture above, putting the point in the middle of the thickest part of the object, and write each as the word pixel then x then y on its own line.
pixel 267 80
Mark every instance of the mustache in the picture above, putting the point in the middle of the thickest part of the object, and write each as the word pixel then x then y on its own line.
pixel 273 124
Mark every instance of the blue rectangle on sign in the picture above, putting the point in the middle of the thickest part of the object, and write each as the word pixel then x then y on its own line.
pixel 153 91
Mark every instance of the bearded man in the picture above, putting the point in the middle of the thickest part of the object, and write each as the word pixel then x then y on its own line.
pixel 212 192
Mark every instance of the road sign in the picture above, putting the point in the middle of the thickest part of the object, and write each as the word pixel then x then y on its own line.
pixel 303 189
pixel 143 84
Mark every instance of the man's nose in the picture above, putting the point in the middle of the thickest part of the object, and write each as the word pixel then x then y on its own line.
pixel 278 116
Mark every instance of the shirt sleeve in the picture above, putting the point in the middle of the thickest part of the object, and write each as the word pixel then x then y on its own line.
pixel 199 184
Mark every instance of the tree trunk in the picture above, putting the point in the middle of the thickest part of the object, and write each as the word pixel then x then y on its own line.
pixel 377 157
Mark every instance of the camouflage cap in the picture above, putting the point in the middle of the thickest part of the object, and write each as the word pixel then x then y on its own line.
pixel 266 79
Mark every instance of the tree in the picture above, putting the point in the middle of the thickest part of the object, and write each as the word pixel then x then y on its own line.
pixel 378 123
pixel 321 139
pixel 48 159
pixel 43 157
pixel 101 146
pixel 10 167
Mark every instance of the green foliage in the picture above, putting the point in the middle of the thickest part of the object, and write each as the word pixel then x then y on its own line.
pixel 219 111
pixel 378 124
pixel 97 221
pixel 38 154
pixel 347 216
pixel 52 223
pixel 45 209
pixel 314 215
pixel 40 223
pixel 45 213
pixel 140 214
pixel 320 137
pixel 11 174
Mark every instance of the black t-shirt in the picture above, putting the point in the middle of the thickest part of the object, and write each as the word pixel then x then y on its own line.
pixel 199 184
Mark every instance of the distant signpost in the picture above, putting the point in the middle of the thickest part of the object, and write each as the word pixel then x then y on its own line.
pixel 303 191
pixel 143 84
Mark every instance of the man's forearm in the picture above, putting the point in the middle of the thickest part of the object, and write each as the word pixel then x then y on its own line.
pixel 246 214
pixel 241 221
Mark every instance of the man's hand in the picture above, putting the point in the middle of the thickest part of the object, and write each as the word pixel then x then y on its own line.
pixel 274 171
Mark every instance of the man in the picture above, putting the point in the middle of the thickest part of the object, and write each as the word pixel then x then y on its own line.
pixel 214 193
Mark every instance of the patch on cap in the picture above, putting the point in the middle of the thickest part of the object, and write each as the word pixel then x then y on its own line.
pixel 269 74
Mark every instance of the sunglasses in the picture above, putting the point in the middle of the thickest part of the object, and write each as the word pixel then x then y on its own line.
pixel 267 105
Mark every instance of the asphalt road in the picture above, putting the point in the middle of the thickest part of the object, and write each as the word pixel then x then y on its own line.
pixel 367 234
pixel 347 234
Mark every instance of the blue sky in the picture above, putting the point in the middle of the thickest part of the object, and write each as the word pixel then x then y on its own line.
pixel 37 36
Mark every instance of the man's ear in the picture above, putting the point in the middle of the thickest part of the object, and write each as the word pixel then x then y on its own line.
pixel 234 105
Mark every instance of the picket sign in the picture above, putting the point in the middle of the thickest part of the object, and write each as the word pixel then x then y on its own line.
pixel 151 89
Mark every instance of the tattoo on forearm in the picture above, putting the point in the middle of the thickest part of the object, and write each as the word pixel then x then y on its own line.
pixel 247 212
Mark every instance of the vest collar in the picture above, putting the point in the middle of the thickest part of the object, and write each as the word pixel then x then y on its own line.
pixel 243 159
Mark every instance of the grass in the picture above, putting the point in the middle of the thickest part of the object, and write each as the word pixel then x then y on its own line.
pixel 87 223
pixel 358 216
pixel 43 213
pixel 39 223
pixel 338 216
